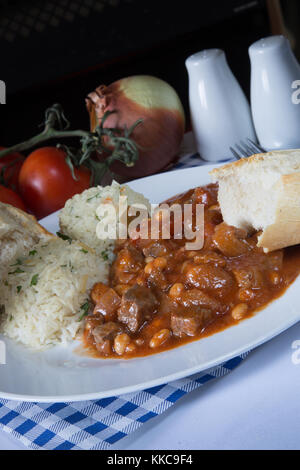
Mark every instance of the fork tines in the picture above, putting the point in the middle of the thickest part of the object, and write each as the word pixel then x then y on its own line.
pixel 246 149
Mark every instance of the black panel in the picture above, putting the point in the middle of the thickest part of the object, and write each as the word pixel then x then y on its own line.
pixel 58 51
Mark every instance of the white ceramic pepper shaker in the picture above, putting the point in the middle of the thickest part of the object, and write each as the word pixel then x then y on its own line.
pixel 220 112
pixel 274 68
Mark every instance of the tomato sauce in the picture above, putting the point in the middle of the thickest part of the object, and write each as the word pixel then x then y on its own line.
pixel 162 295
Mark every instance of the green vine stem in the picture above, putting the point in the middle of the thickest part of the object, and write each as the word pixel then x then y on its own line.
pixel 115 144
pixel 53 116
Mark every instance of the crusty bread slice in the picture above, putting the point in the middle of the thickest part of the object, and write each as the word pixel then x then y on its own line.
pixel 19 232
pixel 262 192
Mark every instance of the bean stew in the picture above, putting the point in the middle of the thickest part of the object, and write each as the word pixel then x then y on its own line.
pixel 161 295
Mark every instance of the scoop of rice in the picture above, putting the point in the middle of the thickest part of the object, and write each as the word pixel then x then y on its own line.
pixel 44 296
pixel 78 219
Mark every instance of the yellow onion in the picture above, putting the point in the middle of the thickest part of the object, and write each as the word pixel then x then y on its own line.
pixel 155 102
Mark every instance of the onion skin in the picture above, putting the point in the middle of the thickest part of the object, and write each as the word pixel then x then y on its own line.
pixel 142 97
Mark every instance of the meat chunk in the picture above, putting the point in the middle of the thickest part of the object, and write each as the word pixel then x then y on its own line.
pixel 206 196
pixel 275 260
pixel 185 324
pixel 127 264
pixel 103 336
pixel 211 278
pixel 92 321
pixel 108 304
pixel 249 277
pixel 131 259
pixel 155 249
pixel 231 241
pixel 197 298
pixel 137 305
pixel 97 291
pixel 204 257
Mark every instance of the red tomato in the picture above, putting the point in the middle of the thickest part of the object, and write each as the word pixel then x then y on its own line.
pixel 11 174
pixel 46 181
pixel 8 196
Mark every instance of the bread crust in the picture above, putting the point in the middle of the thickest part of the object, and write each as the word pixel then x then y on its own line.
pixel 255 160
pixel 27 221
pixel 285 231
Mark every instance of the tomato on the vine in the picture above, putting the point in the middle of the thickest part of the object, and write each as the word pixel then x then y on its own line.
pixel 12 162
pixel 8 196
pixel 46 181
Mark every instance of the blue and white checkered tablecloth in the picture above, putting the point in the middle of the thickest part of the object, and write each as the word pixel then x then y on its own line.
pixel 98 424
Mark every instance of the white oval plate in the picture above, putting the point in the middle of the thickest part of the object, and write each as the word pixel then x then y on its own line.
pixel 61 375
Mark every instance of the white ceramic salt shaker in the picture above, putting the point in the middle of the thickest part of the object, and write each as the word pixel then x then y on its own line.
pixel 220 112
pixel 274 68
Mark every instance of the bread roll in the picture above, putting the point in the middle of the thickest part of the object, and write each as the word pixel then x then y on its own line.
pixel 262 193
pixel 19 232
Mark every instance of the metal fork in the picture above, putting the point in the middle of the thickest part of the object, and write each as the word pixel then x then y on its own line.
pixel 246 149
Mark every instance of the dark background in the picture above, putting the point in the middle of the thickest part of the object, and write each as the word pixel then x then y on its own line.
pixel 59 51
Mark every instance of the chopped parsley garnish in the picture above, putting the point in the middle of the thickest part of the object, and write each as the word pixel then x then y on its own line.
pixel 64 237
pixel 32 253
pixel 93 197
pixel 17 263
pixel 17 271
pixel 85 308
pixel 19 288
pixel 11 318
pixel 104 255
pixel 34 280
pixel 83 250
pixel 63 265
